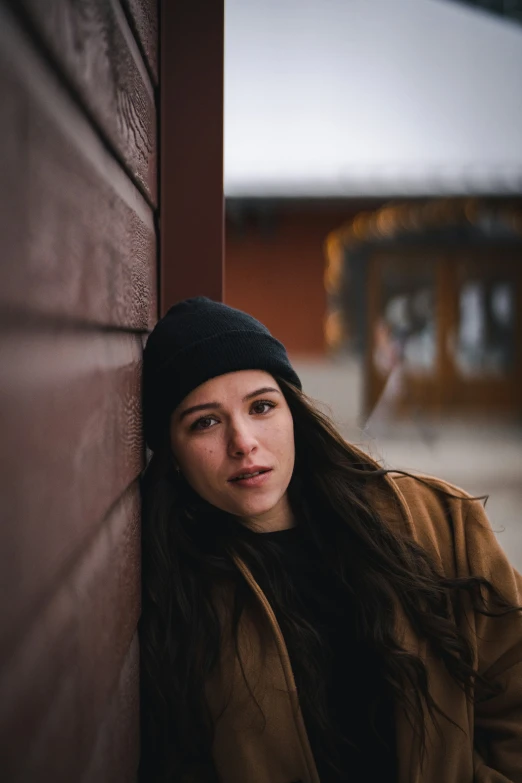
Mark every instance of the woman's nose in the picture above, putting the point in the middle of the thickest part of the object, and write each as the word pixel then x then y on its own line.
pixel 242 439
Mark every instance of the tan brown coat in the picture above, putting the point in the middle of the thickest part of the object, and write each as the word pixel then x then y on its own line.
pixel 462 543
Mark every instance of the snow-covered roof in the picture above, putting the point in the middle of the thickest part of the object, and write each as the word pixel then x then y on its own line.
pixel 370 98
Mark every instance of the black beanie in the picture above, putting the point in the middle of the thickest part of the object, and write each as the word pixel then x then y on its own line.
pixel 199 339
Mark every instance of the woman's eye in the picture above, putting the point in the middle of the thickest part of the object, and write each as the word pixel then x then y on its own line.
pixel 262 406
pixel 203 424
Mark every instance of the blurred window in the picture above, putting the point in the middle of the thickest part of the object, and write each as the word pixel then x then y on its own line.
pixel 406 327
pixel 486 328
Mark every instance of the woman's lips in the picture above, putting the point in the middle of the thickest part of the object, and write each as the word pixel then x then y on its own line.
pixel 253 481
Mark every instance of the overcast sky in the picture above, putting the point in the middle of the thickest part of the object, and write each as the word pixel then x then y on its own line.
pixel 338 96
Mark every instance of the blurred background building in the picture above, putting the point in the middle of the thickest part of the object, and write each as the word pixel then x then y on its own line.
pixel 373 181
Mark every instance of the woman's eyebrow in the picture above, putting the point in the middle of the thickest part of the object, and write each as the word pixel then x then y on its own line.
pixel 204 406
pixel 264 390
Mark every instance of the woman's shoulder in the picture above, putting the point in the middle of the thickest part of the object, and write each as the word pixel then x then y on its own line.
pixel 425 490
pixel 442 517
pixel 418 496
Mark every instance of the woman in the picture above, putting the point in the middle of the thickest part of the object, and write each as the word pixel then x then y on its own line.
pixel 308 616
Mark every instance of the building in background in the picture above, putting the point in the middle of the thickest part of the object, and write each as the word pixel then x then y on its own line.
pixel 428 295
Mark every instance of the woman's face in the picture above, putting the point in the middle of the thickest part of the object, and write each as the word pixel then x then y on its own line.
pixel 229 428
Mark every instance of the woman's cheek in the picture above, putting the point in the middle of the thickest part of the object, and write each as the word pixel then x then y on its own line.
pixel 207 464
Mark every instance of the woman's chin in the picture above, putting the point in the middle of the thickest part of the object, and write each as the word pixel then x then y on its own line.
pixel 253 510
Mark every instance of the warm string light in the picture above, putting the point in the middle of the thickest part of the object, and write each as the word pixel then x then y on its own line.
pixel 396 219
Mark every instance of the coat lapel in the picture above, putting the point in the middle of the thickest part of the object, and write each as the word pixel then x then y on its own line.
pixel 311 769
pixel 398 516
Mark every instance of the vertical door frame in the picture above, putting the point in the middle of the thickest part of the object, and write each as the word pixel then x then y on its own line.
pixel 191 214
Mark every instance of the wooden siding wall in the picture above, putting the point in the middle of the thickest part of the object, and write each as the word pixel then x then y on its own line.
pixel 78 291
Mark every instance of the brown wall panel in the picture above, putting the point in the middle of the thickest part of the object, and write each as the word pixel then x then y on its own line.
pixel 96 51
pixel 144 19
pixel 77 237
pixel 77 294
pixel 63 673
pixel 70 416
pixel 116 753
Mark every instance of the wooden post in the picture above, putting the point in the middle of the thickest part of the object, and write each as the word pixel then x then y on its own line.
pixel 191 150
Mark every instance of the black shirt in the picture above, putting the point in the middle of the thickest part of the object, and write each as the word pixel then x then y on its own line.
pixel 358 699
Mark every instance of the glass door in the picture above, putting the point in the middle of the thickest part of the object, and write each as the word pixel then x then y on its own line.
pixel 484 336
pixel 445 332
pixel 404 361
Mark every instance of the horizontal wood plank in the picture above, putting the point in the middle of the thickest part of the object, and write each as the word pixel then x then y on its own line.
pixel 57 688
pixel 70 415
pixel 78 239
pixel 94 47
pixel 115 756
pixel 144 19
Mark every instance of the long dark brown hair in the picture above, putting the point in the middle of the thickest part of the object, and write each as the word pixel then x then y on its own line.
pixel 188 548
